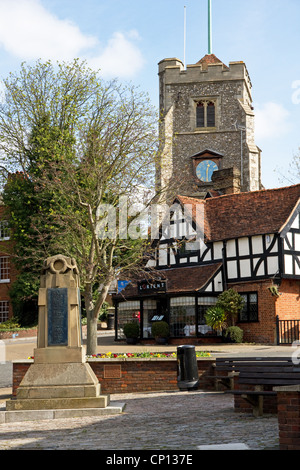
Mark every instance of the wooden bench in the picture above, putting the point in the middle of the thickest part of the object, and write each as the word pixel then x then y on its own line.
pixel 224 373
pixel 262 374
pixel 226 368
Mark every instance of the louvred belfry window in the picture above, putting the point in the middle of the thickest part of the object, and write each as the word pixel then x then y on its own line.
pixel 211 115
pixel 205 114
pixel 200 115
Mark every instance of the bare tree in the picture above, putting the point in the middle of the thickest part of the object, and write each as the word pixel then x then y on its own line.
pixel 89 148
pixel 292 175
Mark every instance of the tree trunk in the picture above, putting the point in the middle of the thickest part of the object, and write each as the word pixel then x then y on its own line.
pixel 92 313
pixel 91 347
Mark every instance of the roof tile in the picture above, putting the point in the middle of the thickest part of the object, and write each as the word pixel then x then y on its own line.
pixel 245 214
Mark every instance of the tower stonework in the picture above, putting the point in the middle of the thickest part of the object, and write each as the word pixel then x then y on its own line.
pixel 207 127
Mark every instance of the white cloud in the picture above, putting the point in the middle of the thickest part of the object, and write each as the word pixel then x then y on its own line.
pixel 29 32
pixel 120 57
pixel 271 121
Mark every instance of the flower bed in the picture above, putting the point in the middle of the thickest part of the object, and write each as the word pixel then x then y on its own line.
pixel 141 355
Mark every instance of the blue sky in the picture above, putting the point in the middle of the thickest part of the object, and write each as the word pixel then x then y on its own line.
pixel 127 39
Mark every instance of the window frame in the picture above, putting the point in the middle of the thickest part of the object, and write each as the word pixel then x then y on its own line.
pixel 4 310
pixel 248 304
pixel 4 230
pixel 4 269
pixel 205 102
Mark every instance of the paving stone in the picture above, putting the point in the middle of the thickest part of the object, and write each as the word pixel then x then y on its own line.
pixel 150 421
pixel 235 446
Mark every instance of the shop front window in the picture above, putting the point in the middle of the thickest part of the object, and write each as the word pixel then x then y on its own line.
pixel 127 312
pixel 183 316
pixel 149 316
pixel 204 303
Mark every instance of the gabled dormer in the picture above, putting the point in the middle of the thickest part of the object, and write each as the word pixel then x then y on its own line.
pixel 290 236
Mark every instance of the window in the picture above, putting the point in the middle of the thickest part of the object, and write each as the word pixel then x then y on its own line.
pixel 4 310
pixel 204 303
pixel 4 230
pixel 200 115
pixel 205 114
pixel 150 315
pixel 183 316
pixel 127 312
pixel 250 310
pixel 4 269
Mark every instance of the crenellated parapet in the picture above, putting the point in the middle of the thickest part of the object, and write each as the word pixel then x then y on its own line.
pixel 175 72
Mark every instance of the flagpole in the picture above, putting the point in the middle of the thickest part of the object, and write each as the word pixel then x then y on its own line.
pixel 209 27
pixel 184 36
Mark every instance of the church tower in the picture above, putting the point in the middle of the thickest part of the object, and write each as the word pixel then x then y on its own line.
pixel 207 128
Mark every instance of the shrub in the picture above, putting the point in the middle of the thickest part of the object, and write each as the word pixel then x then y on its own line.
pixel 234 334
pixel 131 330
pixel 160 329
pixel 232 304
pixel 10 324
pixel 216 318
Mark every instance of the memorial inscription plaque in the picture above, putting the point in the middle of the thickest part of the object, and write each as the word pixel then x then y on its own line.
pixel 57 301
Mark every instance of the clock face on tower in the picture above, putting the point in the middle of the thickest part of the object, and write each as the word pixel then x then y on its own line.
pixel 205 169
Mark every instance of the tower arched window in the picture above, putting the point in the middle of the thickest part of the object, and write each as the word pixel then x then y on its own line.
pixel 211 114
pixel 205 114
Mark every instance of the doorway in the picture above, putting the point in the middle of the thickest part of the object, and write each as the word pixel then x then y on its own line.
pixel 153 310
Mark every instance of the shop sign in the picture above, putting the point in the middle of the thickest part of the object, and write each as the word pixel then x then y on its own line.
pixel 154 286
pixel 157 318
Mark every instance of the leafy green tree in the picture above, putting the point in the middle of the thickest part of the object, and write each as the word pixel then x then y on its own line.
pixel 30 207
pixel 231 302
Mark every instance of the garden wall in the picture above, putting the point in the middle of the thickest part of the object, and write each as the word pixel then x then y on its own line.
pixel 132 375
pixel 288 399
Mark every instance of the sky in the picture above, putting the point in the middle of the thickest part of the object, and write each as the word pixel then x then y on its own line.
pixel 126 39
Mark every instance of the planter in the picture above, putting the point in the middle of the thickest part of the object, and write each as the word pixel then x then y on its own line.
pixel 226 339
pixel 131 340
pixel 161 340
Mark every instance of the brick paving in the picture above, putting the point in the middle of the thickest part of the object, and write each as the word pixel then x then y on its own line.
pixel 151 421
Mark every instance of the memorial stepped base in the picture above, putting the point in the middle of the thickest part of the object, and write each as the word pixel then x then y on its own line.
pixel 57 403
pixel 59 386
pixel 17 416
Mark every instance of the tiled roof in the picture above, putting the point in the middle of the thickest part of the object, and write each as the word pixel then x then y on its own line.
pixel 245 214
pixel 191 279
pixel 209 59
pixel 188 280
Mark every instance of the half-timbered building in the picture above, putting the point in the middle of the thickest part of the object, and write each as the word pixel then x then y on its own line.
pixel 251 242
pixel 247 237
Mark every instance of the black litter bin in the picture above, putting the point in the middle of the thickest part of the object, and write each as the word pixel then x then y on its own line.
pixel 110 321
pixel 187 369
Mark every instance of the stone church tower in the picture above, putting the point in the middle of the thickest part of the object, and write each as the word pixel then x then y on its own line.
pixel 207 128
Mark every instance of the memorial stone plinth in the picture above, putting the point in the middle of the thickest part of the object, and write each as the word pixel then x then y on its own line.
pixel 59 378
